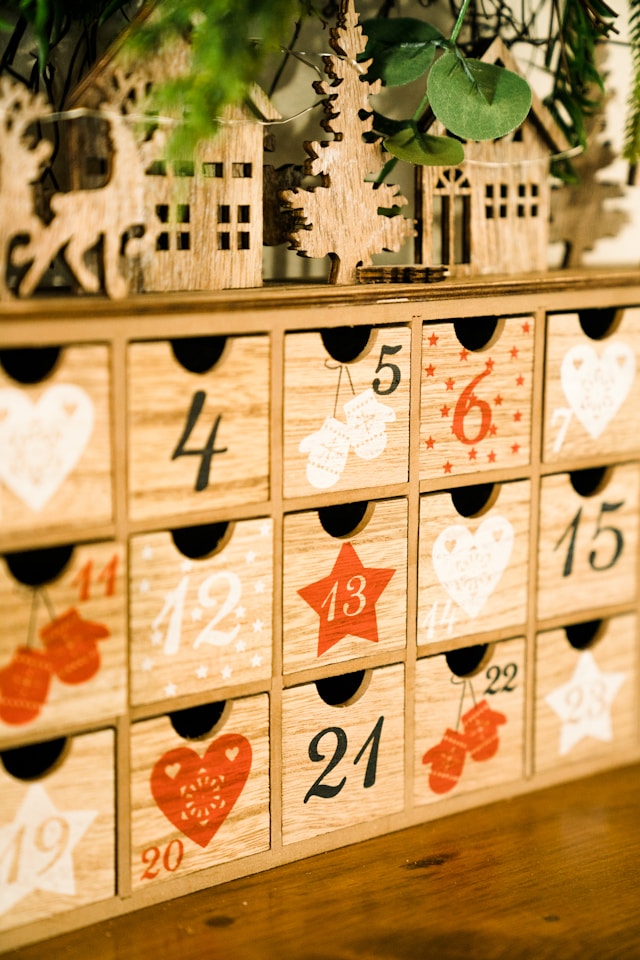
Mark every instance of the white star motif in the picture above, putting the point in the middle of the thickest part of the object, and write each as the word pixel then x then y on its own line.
pixel 156 638
pixel 226 673
pixel 147 664
pixel 147 552
pixel 145 586
pixel 170 690
pixel 265 529
pixel 241 646
pixel 186 566
pixel 202 672
pixel 250 556
pixel 196 614
pixel 42 839
pixel 257 626
pixel 259 586
pixel 240 612
pixel 256 660
pixel 584 703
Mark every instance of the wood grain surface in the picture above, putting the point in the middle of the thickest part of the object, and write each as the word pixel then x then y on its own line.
pixel 551 875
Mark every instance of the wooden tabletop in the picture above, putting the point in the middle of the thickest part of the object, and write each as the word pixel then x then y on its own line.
pixel 554 874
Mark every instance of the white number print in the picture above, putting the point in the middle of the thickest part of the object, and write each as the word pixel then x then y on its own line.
pixel 36 848
pixel 174 607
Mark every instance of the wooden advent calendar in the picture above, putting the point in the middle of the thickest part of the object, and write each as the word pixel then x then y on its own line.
pixel 270 586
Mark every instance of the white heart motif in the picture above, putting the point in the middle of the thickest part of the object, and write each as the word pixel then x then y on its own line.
pixel 41 442
pixel 596 386
pixel 469 565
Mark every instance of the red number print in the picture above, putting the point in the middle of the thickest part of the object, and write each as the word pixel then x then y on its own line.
pixel 468 401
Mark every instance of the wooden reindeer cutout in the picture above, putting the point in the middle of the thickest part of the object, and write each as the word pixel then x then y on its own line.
pixel 21 163
pixel 83 218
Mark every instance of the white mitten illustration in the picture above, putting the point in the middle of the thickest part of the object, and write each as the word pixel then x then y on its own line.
pixel 596 386
pixel 366 419
pixel 41 442
pixel 470 565
pixel 328 448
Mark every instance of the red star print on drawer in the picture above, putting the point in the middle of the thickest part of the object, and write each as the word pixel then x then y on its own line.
pixel 345 600
pixel 475 404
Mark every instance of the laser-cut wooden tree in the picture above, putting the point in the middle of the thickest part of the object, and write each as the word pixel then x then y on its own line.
pixel 341 217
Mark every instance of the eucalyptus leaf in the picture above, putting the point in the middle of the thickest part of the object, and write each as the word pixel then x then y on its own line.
pixel 423 149
pixel 476 100
pixel 402 49
pixel 387 126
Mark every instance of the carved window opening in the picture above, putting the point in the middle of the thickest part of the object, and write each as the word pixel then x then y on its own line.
pixel 213 169
pixel 242 170
pixel 452 209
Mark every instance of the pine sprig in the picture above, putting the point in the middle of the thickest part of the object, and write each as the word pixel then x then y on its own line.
pixel 631 147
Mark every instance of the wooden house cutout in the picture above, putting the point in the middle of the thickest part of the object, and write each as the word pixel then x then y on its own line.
pixel 490 214
pixel 203 220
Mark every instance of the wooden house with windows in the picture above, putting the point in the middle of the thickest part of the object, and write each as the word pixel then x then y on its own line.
pixel 491 213
pixel 202 220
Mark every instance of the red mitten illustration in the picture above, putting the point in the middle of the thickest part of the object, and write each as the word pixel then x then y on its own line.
pixel 24 686
pixel 481 730
pixel 447 761
pixel 71 646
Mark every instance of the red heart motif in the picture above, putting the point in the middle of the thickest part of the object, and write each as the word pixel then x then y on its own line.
pixel 196 794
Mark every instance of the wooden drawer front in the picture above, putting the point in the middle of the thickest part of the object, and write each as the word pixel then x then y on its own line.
pixel 469 729
pixel 57 831
pixel 473 571
pixel 63 642
pixel 342 764
pixel 346 425
pixel 198 441
pixel 55 446
pixel 475 410
pixel 586 697
pixel 587 549
pixel 199 801
pixel 592 388
pixel 200 624
pixel 344 597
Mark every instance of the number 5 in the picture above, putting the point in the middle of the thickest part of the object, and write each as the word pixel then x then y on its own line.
pixel 395 371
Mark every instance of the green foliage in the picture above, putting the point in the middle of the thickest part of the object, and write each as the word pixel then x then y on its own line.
pixel 473 100
pixel 631 149
pixel 578 84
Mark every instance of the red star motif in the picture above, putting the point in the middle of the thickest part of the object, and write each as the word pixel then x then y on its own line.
pixel 450 383
pixel 433 340
pixel 491 457
pixel 430 442
pixel 517 416
pixel 515 447
pixel 498 401
pixel 448 467
pixel 493 430
pixel 473 454
pixel 490 364
pixel 346 600
pixel 520 380
pixel 430 370
pixel 464 354
pixel 526 327
pixel 514 353
pixel 444 411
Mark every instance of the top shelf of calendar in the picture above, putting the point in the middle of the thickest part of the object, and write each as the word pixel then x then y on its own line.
pixel 439 300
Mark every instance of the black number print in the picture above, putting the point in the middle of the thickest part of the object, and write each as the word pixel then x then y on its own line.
pixel 328 790
pixel 393 368
pixel 208 451
pixel 320 789
pixel 501 679
pixel 572 532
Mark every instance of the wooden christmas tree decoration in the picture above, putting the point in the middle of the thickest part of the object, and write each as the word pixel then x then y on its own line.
pixel 341 218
